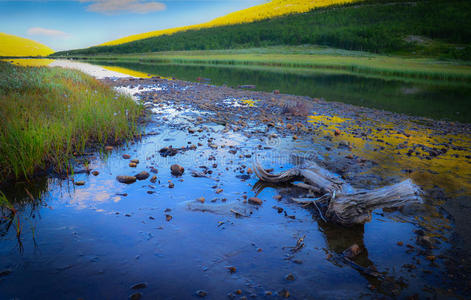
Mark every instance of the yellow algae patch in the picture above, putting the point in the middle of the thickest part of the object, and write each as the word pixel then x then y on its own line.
pixel 30 62
pixel 408 153
pixel 268 10
pixel 249 102
pixel 128 71
pixel 11 45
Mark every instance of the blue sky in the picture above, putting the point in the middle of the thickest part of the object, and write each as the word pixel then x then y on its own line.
pixel 74 24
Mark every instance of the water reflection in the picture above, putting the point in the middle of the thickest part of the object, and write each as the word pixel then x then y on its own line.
pixel 438 100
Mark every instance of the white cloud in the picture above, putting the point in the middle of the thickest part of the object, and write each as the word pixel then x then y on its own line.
pixel 117 6
pixel 47 32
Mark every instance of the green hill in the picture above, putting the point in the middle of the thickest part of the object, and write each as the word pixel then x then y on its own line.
pixel 430 28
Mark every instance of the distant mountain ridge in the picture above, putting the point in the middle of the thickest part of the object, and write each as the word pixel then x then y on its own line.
pixel 12 45
pixel 268 10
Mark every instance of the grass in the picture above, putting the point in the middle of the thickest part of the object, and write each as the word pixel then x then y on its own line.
pixel 11 45
pixel 268 10
pixel 49 113
pixel 309 57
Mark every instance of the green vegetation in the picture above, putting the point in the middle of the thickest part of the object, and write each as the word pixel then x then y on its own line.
pixel 49 113
pixel 314 58
pixel 433 28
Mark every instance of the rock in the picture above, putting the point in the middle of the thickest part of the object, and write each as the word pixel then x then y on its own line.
pixel 168 217
pixel 95 173
pixel 139 285
pixel 132 165
pixel 170 184
pixel 249 171
pixel 80 183
pixel 142 176
pixel 126 156
pixel 218 191
pixel 177 170
pixel 201 293
pixel 136 161
pixel 232 269
pixel 290 277
pixel 277 197
pixel 425 241
pixel 284 293
pixel 352 251
pixel 5 272
pixel 154 170
pixel 135 296
pixel 153 179
pixel 108 148
pixel 337 132
pixel 200 199
pixel 126 179
pixel 255 200
pixel 168 151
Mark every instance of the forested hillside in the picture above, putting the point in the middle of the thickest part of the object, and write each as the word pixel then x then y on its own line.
pixel 431 28
pixel 273 8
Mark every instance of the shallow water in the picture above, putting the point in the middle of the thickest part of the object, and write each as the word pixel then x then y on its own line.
pixel 100 239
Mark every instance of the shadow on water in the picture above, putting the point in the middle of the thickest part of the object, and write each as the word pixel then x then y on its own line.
pixel 436 100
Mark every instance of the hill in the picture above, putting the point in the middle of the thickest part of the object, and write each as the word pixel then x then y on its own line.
pixel 433 28
pixel 11 45
pixel 268 10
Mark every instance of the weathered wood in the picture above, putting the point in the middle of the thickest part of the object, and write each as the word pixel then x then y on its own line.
pixel 340 202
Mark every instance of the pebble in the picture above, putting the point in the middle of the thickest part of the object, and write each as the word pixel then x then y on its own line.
pixel 126 179
pixel 255 200
pixel 95 173
pixel 139 285
pixel 201 293
pixel 126 156
pixel 135 296
pixel 79 182
pixel 290 277
pixel 177 170
pixel 142 176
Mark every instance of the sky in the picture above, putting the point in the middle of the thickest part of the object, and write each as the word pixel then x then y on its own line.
pixel 72 24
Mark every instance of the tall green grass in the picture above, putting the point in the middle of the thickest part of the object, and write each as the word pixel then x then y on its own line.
pixel 47 114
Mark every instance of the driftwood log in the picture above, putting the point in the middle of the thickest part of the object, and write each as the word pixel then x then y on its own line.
pixel 339 202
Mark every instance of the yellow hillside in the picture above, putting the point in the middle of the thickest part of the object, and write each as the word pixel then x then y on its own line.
pixel 268 10
pixel 11 45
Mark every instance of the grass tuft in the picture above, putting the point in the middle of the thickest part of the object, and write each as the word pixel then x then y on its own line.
pixel 49 113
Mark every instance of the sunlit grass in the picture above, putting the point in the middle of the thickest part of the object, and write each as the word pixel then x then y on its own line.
pixel 11 45
pixel 268 10
pixel 49 113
